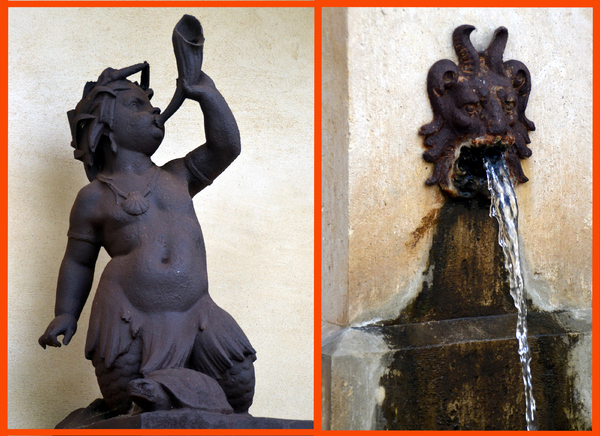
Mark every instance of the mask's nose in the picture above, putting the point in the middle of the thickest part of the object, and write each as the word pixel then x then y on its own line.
pixel 496 119
pixel 156 111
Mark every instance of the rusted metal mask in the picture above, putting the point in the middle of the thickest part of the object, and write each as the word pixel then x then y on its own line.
pixel 478 109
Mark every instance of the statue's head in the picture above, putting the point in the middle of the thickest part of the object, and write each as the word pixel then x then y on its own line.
pixel 114 112
pixel 479 109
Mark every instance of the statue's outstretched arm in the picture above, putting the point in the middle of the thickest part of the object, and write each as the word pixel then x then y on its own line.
pixel 76 272
pixel 74 283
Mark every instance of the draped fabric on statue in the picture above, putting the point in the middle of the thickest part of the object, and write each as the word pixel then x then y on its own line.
pixel 205 337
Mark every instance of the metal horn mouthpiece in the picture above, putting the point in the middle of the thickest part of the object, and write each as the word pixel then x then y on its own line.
pixel 188 45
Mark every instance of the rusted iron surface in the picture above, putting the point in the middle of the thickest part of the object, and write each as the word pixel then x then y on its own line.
pixel 478 108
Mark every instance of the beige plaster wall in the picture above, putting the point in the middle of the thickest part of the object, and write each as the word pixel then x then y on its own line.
pixel 257 217
pixel 334 217
pixel 389 52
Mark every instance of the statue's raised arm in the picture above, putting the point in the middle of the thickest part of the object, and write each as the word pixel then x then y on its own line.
pixel 202 165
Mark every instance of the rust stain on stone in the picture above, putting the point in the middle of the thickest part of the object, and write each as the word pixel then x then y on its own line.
pixel 427 222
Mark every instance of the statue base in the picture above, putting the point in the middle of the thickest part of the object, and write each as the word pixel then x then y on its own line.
pixel 97 415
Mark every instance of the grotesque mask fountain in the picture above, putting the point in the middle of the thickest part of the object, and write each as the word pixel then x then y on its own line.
pixel 478 109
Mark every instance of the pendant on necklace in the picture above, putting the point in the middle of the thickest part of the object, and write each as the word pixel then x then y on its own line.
pixel 135 204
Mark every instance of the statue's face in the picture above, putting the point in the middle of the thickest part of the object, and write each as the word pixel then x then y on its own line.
pixel 135 125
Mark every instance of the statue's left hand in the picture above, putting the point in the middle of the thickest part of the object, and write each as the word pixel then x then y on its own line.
pixel 61 325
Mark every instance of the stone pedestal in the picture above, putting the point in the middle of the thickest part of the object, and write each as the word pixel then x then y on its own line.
pixel 95 416
pixel 461 374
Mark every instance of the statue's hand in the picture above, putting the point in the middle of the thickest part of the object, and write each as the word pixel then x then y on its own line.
pixel 196 88
pixel 61 325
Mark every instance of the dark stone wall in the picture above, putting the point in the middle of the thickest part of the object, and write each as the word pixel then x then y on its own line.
pixel 466 265
pixel 478 386
pixel 455 364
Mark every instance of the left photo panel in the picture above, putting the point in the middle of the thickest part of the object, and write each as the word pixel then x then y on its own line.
pixel 161 218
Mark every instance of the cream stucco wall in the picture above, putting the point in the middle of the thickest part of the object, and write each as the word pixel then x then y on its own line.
pixel 389 208
pixel 257 217
pixel 334 217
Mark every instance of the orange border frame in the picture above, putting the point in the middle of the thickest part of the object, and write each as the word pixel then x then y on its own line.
pixel 317 4
pixel 4 202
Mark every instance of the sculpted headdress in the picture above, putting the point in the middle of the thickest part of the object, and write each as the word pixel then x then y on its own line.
pixel 93 117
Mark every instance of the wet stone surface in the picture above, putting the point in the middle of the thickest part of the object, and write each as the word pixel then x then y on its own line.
pixel 453 362
pixel 478 386
pixel 466 275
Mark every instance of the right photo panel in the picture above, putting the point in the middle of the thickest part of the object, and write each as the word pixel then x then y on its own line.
pixel 456 219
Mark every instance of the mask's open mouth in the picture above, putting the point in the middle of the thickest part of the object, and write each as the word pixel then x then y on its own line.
pixel 469 176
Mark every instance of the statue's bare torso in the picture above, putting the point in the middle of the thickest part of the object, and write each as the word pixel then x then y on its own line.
pixel 158 257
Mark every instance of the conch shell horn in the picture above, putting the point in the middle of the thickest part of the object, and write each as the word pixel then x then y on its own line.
pixel 188 45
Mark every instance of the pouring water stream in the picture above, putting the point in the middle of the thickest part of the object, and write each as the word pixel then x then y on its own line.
pixel 504 209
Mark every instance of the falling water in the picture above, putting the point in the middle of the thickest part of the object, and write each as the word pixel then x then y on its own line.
pixel 504 208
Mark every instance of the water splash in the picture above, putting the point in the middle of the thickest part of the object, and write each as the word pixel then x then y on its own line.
pixel 504 209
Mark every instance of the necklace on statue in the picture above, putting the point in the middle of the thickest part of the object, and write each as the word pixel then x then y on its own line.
pixel 134 203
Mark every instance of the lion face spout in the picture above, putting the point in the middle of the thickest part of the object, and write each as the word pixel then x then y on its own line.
pixel 478 110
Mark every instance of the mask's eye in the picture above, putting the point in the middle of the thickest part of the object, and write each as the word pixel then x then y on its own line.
pixel 509 106
pixel 470 108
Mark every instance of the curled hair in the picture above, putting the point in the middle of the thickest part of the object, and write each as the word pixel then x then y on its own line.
pixel 93 117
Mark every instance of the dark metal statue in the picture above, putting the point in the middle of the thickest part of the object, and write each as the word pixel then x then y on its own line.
pixel 478 108
pixel 155 337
